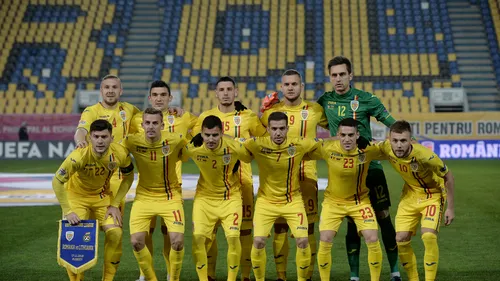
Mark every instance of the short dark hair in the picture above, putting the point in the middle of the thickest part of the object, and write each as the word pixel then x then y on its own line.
pixel 153 111
pixel 291 72
pixel 277 116
pixel 339 60
pixel 159 84
pixel 349 122
pixel 400 126
pixel 211 122
pixel 225 79
pixel 101 125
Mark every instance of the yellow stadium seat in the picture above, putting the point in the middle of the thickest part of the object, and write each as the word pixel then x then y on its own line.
pixel 414 105
pixel 187 104
pixel 424 104
pixel 405 104
pixel 393 104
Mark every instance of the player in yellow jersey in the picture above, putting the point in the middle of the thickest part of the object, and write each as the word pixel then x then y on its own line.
pixel 82 187
pixel 279 195
pixel 347 196
pixel 238 124
pixel 160 97
pixel 428 185
pixel 218 196
pixel 156 153
pixel 303 119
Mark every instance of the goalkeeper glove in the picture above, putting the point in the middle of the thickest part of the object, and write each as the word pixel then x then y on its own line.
pixel 197 140
pixel 362 142
pixel 269 101
pixel 238 106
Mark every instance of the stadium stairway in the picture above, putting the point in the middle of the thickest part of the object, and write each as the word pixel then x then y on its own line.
pixel 140 51
pixel 473 56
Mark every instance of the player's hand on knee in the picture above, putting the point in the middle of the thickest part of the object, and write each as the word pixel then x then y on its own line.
pixel 197 140
pixel 73 218
pixel 115 213
pixel 81 144
pixel 449 215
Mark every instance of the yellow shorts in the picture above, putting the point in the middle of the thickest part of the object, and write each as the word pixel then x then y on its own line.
pixel 206 214
pixel 172 213
pixel 248 205
pixel 414 208
pixel 309 189
pixel 334 213
pixel 90 207
pixel 267 212
pixel 114 185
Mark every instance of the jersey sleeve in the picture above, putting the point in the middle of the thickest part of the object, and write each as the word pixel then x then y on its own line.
pixel 88 116
pixel 70 165
pixel 185 153
pixel 378 110
pixel 251 145
pixel 434 163
pixel 135 124
pixel 197 126
pixel 317 154
pixel 311 145
pixel 257 129
pixel 264 117
pixel 126 166
pixel 374 152
pixel 243 154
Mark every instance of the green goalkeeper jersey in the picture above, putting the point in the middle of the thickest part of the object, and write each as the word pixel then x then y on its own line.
pixel 359 105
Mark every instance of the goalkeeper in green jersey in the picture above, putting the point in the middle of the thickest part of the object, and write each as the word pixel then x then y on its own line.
pixel 347 102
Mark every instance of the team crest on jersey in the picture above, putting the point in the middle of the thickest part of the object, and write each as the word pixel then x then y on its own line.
pixel 292 150
pixel 226 159
pixel 237 120
pixel 362 157
pixel 69 235
pixel 354 105
pixel 123 115
pixel 304 114
pixel 165 149
pixel 111 165
pixel 86 237
pixel 170 120
pixel 414 166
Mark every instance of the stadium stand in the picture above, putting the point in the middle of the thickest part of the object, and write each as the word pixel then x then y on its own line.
pixel 399 49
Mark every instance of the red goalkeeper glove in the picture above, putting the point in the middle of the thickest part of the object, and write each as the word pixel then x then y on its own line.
pixel 269 101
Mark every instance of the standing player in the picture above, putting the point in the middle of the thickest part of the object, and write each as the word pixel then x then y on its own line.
pixel 347 196
pixel 156 153
pixel 303 119
pixel 160 97
pixel 279 158
pixel 115 112
pixel 218 196
pixel 345 101
pixel 82 187
pixel 238 123
pixel 428 184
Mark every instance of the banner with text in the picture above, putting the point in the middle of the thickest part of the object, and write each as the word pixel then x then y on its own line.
pixel 35 149
pixel 77 245
pixel 40 126
pixel 464 149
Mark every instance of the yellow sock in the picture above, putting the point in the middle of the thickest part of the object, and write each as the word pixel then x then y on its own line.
pixel 73 276
pixel 325 260
pixel 200 257
pixel 431 256
pixel 166 251
pixel 149 245
pixel 175 264
pixel 259 260
pixel 374 260
pixel 145 261
pixel 313 245
pixel 303 261
pixel 408 260
pixel 112 252
pixel 212 256
pixel 233 257
pixel 246 261
pixel 280 249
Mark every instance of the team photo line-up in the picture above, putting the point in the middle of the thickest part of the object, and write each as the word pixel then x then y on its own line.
pixel 94 179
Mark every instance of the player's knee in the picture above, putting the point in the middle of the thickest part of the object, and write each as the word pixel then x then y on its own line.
pixel 302 242
pixel 259 242
pixel 177 243
pixel 310 229
pixel 280 228
pixel 403 236
pixel 164 230
pixel 382 214
pixel 138 242
pixel 245 232
pixel 370 236
pixel 327 235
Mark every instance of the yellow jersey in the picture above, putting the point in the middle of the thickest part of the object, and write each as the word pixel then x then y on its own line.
pixel 422 170
pixel 120 117
pixel 156 163
pixel 238 124
pixel 217 179
pixel 279 166
pixel 88 175
pixel 303 120
pixel 347 171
